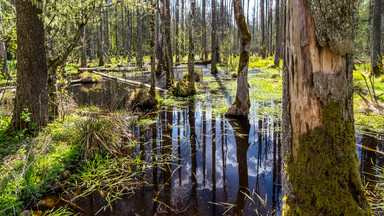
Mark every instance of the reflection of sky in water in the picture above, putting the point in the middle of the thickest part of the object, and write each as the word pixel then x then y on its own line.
pixel 217 140
pixel 216 144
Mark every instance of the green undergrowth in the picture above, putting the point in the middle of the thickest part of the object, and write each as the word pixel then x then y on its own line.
pixel 34 166
pixel 325 170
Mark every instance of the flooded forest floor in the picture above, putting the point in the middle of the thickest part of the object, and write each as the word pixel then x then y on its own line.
pixel 105 155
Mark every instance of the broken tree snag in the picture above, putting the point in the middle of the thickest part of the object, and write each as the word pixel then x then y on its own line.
pixel 241 105
pixel 320 165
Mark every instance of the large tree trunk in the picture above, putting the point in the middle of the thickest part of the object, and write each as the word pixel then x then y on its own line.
pixel 262 29
pixel 191 56
pixel 3 52
pixel 320 165
pixel 278 35
pixel 242 103
pixel 376 36
pixel 204 39
pixel 31 94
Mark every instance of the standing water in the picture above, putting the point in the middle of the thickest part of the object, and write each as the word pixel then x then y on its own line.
pixel 220 166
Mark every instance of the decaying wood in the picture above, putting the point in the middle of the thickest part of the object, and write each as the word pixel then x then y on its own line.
pixel 114 69
pixel 129 82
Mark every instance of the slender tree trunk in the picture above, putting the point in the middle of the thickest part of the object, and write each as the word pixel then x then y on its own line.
pixel 106 20
pixel 31 93
pixel 278 35
pixel 204 29
pixel 262 29
pixel 139 55
pixel 166 16
pixel 152 90
pixel 182 29
pixel 191 56
pixel 116 34
pixel 101 41
pixel 3 51
pixel 159 45
pixel 376 36
pixel 177 32
pixel 213 38
pixel 83 48
pixel 123 30
pixel 318 145
pixel 92 49
pixel 242 103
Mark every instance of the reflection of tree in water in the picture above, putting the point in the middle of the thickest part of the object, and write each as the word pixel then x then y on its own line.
pixel 242 146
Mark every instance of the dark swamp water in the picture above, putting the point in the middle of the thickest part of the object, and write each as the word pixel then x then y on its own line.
pixel 222 166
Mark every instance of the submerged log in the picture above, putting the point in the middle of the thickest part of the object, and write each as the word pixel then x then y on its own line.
pixel 130 82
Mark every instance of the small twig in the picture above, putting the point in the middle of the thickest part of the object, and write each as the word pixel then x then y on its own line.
pixel 72 204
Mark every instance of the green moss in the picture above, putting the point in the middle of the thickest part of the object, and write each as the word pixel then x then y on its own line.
pixel 324 175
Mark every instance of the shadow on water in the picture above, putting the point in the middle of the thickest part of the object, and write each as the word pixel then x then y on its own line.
pixel 222 165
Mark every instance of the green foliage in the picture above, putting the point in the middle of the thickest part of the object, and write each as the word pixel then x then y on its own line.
pixel 31 170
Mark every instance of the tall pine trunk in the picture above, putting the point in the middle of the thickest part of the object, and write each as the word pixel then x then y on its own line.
pixel 320 165
pixel 213 38
pixel 139 51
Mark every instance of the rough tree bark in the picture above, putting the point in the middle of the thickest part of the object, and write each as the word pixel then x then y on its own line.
pixel 32 91
pixel 242 103
pixel 376 36
pixel 123 30
pixel 191 55
pixel 279 35
pixel 106 20
pixel 262 29
pixel 319 160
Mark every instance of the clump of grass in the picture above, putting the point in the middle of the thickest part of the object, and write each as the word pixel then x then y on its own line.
pixel 87 77
pixel 100 134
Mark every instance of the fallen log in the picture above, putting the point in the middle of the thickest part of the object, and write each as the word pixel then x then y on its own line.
pixel 114 69
pixel 127 81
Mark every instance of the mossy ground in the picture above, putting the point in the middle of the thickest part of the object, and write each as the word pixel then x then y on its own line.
pixel 324 175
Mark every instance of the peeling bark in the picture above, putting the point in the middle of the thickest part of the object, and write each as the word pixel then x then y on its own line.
pixel 320 165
